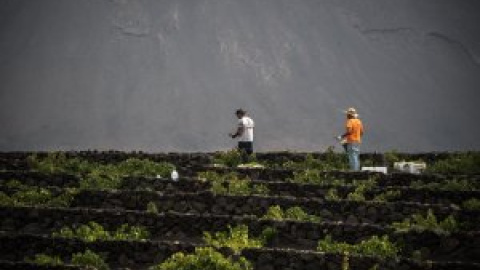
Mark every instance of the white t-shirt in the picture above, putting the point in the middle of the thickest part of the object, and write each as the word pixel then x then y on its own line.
pixel 248 125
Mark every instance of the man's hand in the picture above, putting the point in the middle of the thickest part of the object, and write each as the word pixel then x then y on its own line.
pixel 239 132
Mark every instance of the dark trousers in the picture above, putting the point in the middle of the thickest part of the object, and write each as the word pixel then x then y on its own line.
pixel 246 148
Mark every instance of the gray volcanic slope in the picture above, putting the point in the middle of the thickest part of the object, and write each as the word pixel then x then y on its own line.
pixel 164 75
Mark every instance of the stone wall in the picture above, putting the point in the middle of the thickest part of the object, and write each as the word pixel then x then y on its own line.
pixel 279 188
pixel 377 158
pixel 206 202
pixel 39 179
pixel 31 266
pixel 282 174
pixel 190 228
pixel 145 253
pixel 16 160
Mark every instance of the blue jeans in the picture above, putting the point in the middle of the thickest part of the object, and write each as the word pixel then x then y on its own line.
pixel 353 152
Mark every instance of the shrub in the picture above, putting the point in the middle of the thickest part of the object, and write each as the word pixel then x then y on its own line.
pixel 15 184
pixel 204 258
pixel 345 261
pixel 318 177
pixel 231 184
pixel 104 177
pixel 334 161
pixel 143 167
pixel 58 163
pixel 331 161
pixel 310 176
pixel 293 213
pixel 64 199
pixel 389 195
pixel 429 222
pixel 31 196
pixel 275 213
pixel 328 245
pixel 377 246
pixel 219 188
pixel 471 204
pixel 332 195
pixel 5 200
pixel 238 187
pixel 152 208
pixel 93 231
pixel 297 213
pixel 391 157
pixel 245 187
pixel 463 163
pixel 231 158
pixel 110 176
pixel 268 234
pixel 89 258
pixel 309 163
pixel 127 232
pixel 374 246
pixel 260 189
pixel 358 194
pixel 212 176
pixel 43 259
pixel 449 184
pixel 98 176
pixel 90 232
pixel 237 238
pixel 362 186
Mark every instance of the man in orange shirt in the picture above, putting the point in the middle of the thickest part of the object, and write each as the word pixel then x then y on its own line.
pixel 353 138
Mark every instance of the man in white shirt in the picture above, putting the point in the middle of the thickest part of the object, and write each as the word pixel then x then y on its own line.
pixel 244 132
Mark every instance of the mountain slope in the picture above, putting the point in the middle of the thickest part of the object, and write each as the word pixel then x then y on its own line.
pixel 168 75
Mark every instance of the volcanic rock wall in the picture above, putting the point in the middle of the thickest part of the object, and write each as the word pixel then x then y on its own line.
pixel 167 75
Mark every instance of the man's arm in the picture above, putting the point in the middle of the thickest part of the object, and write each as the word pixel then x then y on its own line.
pixel 348 132
pixel 239 132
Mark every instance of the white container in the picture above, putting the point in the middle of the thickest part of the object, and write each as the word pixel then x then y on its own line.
pixel 375 169
pixel 414 167
pixel 174 175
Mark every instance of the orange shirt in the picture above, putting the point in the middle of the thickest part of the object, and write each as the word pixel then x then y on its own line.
pixel 354 130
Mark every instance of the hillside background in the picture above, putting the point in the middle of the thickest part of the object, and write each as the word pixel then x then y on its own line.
pixel 167 75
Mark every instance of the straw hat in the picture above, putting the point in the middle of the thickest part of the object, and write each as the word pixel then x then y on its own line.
pixel 352 111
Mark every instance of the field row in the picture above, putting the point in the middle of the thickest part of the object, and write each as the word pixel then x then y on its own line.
pixel 238 205
pixel 140 255
pixel 190 228
pixel 452 192
pixel 113 210
pixel 445 163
